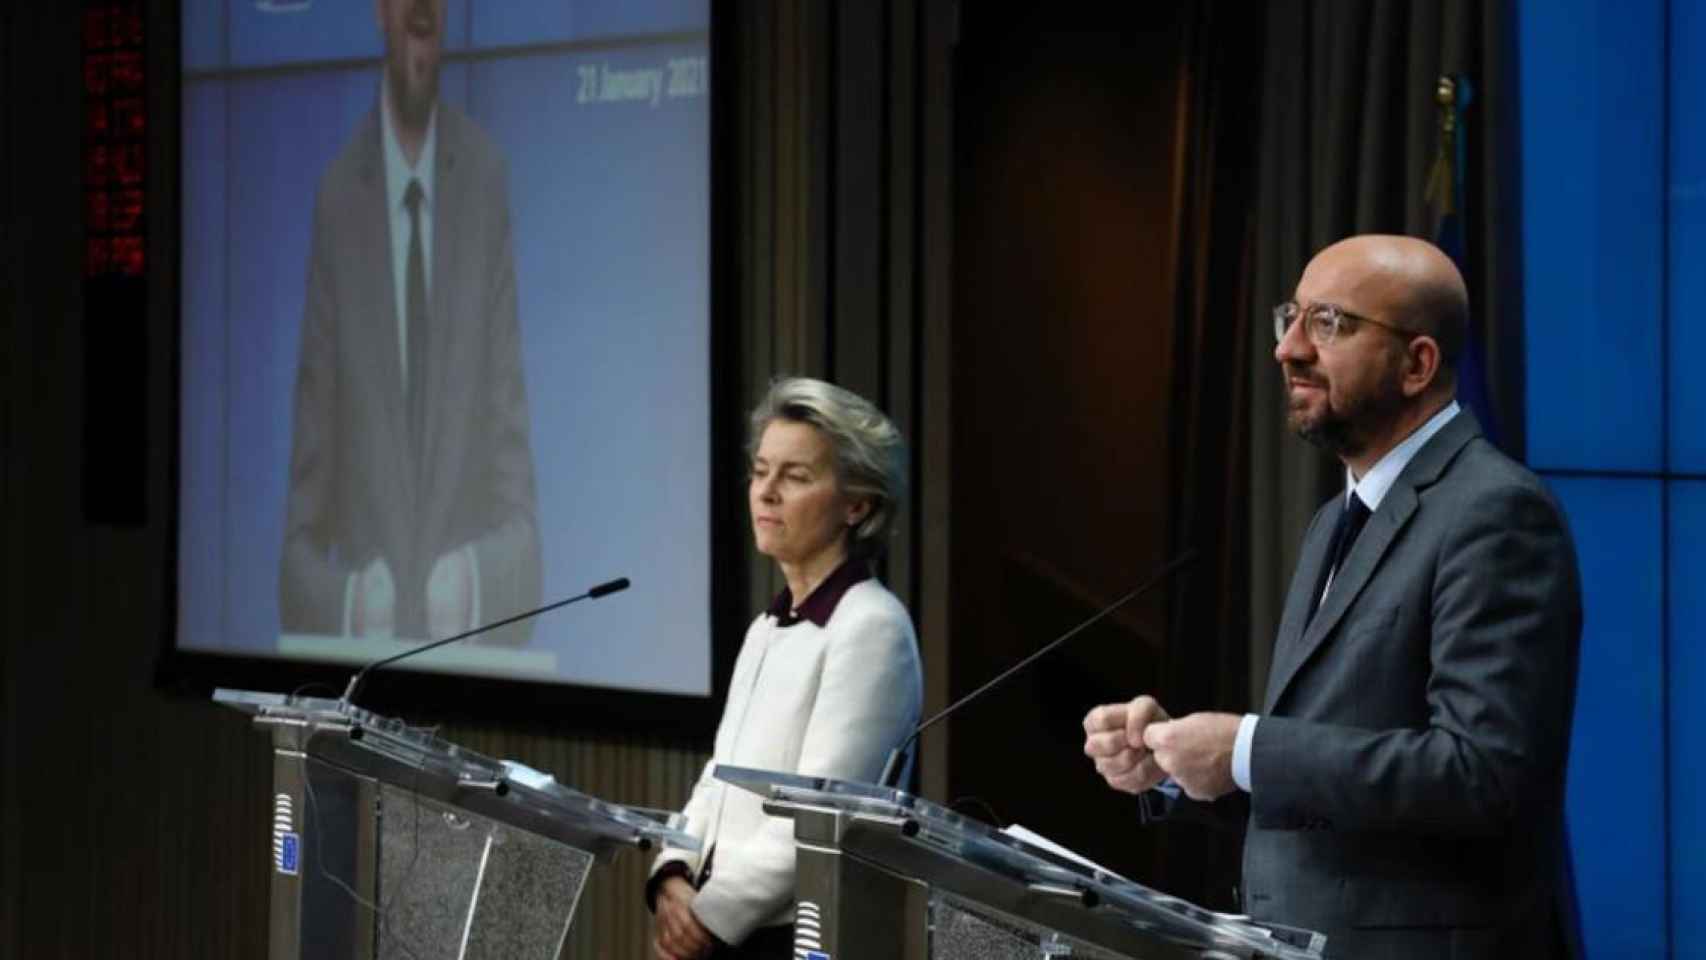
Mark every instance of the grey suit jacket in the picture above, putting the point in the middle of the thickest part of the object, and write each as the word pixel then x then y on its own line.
pixel 1407 773
pixel 357 489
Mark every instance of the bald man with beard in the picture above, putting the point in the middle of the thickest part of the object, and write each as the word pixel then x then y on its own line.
pixel 1404 777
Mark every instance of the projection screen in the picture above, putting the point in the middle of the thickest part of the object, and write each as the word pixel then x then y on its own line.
pixel 445 334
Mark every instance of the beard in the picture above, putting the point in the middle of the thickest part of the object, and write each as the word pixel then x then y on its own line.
pixel 412 96
pixel 1345 428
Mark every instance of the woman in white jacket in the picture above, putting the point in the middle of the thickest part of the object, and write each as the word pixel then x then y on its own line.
pixel 827 681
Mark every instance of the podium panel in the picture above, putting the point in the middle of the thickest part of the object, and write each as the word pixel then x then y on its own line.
pixel 880 873
pixel 390 844
pixel 961 929
pixel 464 885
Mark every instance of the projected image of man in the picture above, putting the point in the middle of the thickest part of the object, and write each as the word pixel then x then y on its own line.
pixel 411 505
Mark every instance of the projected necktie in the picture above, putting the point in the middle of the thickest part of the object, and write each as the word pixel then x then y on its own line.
pixel 1351 520
pixel 415 323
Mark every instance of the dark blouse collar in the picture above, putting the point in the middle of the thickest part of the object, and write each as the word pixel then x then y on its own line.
pixel 823 600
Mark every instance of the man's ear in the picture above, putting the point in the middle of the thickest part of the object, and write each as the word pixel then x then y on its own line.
pixel 1422 360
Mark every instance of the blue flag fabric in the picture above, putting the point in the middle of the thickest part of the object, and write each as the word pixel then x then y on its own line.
pixel 1448 196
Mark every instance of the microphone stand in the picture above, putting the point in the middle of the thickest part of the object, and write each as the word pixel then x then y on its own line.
pixel 355 682
pixel 892 767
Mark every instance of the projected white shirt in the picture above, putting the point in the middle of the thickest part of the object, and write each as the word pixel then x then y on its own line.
pixel 398 173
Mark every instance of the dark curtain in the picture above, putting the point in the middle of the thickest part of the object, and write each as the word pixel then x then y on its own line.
pixel 1207 665
pixel 1348 135
pixel 1302 122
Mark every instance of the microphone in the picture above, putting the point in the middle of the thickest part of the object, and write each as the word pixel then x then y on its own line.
pixel 892 767
pixel 602 590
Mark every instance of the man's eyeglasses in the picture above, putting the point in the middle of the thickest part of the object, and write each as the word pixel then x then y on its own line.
pixel 1325 322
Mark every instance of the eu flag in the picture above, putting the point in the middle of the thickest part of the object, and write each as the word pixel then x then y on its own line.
pixel 1446 196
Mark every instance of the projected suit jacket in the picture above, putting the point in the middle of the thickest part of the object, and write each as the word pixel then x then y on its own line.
pixel 358 489
pixel 1407 772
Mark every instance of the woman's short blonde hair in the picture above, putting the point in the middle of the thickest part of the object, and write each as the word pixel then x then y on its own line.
pixel 870 454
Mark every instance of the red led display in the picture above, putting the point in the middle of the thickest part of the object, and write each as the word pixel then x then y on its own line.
pixel 115 138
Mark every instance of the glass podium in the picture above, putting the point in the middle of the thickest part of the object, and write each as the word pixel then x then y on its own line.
pixel 390 843
pixel 881 873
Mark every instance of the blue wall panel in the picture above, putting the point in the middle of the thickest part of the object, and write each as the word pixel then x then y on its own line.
pixel 1687 211
pixel 506 22
pixel 1592 92
pixel 1615 794
pixel 203 375
pixel 272 32
pixel 268 34
pixel 203 35
pixel 1687 678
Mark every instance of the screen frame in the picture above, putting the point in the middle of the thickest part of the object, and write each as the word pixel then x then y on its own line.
pixel 421 695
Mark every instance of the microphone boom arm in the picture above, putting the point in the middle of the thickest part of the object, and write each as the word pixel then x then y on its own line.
pixel 891 767
pixel 620 583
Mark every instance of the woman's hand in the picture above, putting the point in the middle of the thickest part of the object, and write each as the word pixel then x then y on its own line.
pixel 677 932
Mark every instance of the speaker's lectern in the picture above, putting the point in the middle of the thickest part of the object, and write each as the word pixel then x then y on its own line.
pixel 390 843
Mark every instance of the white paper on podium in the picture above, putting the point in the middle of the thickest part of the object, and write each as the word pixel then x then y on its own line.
pixel 527 776
pixel 1020 832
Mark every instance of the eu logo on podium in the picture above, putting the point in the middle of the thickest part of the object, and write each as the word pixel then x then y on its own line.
pixel 290 854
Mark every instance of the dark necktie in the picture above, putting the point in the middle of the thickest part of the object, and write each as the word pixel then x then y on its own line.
pixel 1351 519
pixel 415 322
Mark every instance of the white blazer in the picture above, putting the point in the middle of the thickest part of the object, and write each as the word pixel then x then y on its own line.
pixel 829 701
